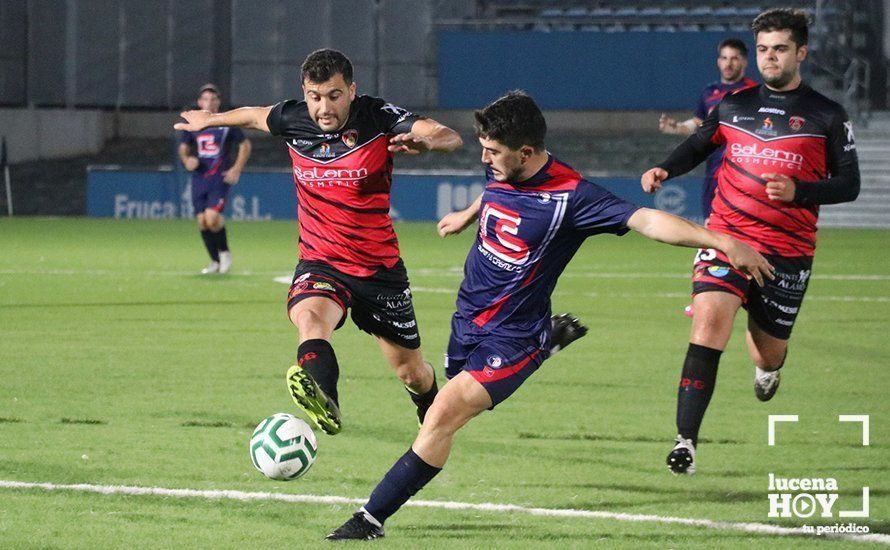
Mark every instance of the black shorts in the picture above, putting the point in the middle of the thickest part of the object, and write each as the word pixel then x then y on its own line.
pixel 381 304
pixel 775 306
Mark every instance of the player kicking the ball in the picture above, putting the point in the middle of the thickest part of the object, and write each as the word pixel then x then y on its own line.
pixel 533 216
pixel 342 146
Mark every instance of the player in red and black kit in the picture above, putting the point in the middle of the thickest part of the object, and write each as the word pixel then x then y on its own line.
pixel 788 150
pixel 342 148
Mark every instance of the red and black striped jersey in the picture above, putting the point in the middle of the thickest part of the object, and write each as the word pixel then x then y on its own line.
pixel 801 134
pixel 343 181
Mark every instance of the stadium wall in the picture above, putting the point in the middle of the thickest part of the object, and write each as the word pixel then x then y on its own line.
pixel 259 196
pixel 623 71
pixel 50 133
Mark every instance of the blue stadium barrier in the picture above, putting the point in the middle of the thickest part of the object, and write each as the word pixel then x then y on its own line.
pixel 141 194
pixel 579 70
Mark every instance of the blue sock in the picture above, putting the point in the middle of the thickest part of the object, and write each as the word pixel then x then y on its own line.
pixel 407 476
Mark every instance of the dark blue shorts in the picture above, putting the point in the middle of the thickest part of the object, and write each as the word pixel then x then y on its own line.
pixel 209 193
pixel 501 364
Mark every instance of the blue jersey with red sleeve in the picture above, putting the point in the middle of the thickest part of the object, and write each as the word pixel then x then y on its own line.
pixel 528 232
pixel 212 147
pixel 710 97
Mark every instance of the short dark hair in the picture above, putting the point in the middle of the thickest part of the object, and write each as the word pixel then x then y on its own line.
pixel 783 19
pixel 322 65
pixel 514 120
pixel 734 43
pixel 209 87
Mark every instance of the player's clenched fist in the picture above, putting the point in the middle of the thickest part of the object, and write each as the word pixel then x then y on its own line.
pixel 451 224
pixel 779 187
pixel 652 179
pixel 196 121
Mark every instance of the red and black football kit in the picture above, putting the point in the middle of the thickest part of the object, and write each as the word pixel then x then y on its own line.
pixel 348 248
pixel 801 134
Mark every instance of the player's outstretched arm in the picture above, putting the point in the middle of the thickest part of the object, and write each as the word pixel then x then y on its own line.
pixel 689 154
pixel 244 117
pixel 668 125
pixel 670 229
pixel 426 135
pixel 455 222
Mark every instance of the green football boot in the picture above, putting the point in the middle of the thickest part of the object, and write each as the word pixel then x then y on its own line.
pixel 321 409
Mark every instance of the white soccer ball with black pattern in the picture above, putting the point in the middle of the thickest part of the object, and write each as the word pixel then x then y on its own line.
pixel 283 447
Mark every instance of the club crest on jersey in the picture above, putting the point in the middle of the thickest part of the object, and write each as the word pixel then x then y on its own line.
pixel 494 361
pixel 499 232
pixel 324 151
pixel 796 122
pixel 350 138
pixel 544 198
pixel 767 128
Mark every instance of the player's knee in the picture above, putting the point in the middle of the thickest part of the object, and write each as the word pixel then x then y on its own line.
pixel 308 322
pixel 711 318
pixel 445 416
pixel 412 373
pixel 212 219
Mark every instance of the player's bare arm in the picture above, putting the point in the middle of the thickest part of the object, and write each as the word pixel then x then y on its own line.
pixel 669 125
pixel 670 229
pixel 426 135
pixel 189 161
pixel 233 174
pixel 455 222
pixel 244 117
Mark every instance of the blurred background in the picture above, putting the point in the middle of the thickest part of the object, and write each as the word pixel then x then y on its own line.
pixel 89 89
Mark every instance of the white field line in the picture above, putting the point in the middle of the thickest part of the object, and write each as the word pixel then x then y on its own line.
pixel 757 528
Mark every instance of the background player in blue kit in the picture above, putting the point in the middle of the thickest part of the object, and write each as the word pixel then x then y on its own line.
pixel 732 61
pixel 533 216
pixel 207 154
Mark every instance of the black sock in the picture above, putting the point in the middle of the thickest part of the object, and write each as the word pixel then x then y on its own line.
pixel 424 400
pixel 317 358
pixel 210 244
pixel 407 476
pixel 696 387
pixel 222 243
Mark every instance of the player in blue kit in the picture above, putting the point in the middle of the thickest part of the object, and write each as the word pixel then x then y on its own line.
pixel 732 60
pixel 533 216
pixel 207 154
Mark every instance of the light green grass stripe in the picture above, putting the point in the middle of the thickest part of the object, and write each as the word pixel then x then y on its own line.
pixel 756 528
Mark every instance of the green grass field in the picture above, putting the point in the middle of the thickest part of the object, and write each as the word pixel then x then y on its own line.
pixel 119 365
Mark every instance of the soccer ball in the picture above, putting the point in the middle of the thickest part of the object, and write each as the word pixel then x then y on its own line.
pixel 283 447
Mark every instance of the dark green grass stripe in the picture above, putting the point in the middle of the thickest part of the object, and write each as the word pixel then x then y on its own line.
pixel 90 421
